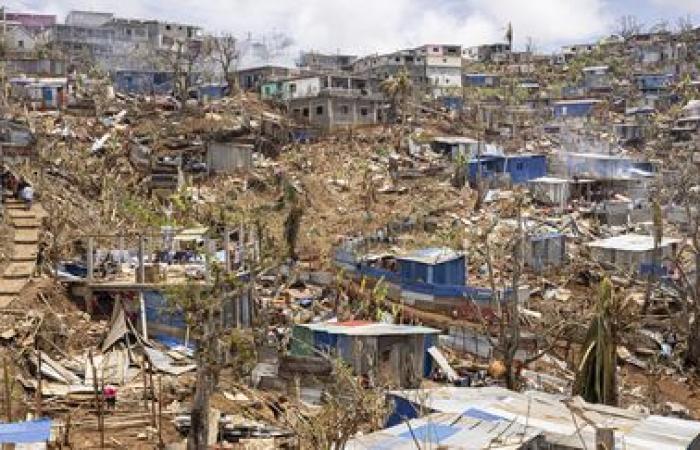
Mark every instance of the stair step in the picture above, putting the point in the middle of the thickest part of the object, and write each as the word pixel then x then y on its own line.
pixel 23 252
pixel 21 214
pixel 28 236
pixel 19 270
pixel 6 300
pixel 25 222
pixel 11 286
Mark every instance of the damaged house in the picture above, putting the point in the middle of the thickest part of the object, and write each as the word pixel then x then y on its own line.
pixel 632 252
pixel 396 354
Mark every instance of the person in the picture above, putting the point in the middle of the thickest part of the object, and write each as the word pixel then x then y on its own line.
pixel 26 193
pixel 110 395
pixel 40 258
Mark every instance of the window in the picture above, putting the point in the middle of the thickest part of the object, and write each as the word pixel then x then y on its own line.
pixel 397 59
pixel 20 44
pixel 319 110
pixel 292 88
pixel 519 166
pixel 436 49
pixel 306 112
pixel 167 27
pixel 344 109
pixel 364 112
pixel 296 111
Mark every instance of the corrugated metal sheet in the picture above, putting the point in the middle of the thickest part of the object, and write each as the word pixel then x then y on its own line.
pixel 225 157
pixel 450 431
pixel 548 413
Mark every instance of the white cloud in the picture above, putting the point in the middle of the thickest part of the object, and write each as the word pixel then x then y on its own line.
pixel 682 6
pixel 367 26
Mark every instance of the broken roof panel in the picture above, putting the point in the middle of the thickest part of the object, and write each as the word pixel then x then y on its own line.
pixel 631 242
pixel 432 255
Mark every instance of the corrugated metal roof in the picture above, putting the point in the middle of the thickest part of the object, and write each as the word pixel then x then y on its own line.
pixel 631 242
pixel 453 431
pixel 431 255
pixel 369 329
pixel 548 413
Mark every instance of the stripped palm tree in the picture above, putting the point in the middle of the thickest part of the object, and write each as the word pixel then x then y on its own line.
pixel 398 90
pixel 595 374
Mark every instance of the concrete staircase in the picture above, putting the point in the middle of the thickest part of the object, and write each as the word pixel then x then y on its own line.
pixel 26 224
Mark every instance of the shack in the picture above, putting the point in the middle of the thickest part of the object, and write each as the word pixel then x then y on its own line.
pixel 545 250
pixel 392 353
pixel 433 265
pixel 630 252
pixel 457 145
pixel 228 157
pixel 41 93
pixel 574 108
pixel 517 168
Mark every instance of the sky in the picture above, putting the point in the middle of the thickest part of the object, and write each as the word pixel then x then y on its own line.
pixel 373 26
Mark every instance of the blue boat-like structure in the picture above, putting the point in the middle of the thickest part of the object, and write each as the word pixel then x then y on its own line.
pixel 431 279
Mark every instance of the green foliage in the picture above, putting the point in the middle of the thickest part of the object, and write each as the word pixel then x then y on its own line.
pixel 595 375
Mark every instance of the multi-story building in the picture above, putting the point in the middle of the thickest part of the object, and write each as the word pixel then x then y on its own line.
pixel 435 70
pixel 113 42
pixel 497 52
pixel 319 62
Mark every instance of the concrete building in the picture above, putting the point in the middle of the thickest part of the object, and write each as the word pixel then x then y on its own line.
pixel 574 108
pixel 497 52
pixel 435 70
pixel 334 109
pixel 597 78
pixel 545 250
pixel 251 79
pixel 35 23
pixel 322 63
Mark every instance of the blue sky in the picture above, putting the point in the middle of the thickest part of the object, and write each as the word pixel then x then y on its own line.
pixel 369 26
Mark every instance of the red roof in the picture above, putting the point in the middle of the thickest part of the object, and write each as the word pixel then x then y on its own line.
pixel 354 323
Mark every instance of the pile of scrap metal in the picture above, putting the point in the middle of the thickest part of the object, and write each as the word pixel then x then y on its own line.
pixel 122 356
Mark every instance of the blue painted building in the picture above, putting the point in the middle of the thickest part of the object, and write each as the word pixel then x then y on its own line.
pixel 433 266
pixel 452 103
pixel 143 81
pixel 653 82
pixel 212 91
pixel 396 352
pixel 521 168
pixel 573 108
pixel 481 80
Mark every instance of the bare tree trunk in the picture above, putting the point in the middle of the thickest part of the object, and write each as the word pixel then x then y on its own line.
pixel 512 338
pixel 199 427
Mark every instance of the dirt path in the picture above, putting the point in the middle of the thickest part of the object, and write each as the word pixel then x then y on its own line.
pixel 26 225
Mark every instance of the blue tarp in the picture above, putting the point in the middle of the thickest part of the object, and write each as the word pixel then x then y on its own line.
pixel 432 432
pixel 480 414
pixel 25 432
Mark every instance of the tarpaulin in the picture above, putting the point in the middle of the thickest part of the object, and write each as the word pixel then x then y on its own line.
pixel 25 432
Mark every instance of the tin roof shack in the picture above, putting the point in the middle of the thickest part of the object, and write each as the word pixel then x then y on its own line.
pixel 433 266
pixel 392 353
pixel 545 250
pixel 630 252
pixel 17 143
pixel 597 78
pixel 481 80
pixel 555 191
pixel 628 133
pixel 653 82
pixel 229 157
pixel 549 413
pixel 40 93
pixel 515 169
pixel 574 108
pixel 457 145
pixel 148 82
pixel 212 91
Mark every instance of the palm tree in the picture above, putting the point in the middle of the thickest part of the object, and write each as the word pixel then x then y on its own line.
pixel 398 90
pixel 595 374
